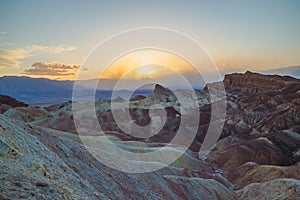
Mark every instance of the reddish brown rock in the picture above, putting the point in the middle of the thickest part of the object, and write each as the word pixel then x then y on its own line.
pixel 7 102
pixel 285 188
pixel 252 173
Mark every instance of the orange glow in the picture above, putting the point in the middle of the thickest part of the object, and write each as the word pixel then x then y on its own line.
pixel 146 64
pixel 146 71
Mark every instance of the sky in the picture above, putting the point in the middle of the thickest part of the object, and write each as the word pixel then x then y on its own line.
pixel 53 38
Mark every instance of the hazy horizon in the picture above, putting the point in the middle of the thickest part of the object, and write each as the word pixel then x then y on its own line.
pixel 287 69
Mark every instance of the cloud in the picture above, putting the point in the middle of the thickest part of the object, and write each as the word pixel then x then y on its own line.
pixel 52 69
pixel 3 33
pixel 13 57
pixel 53 49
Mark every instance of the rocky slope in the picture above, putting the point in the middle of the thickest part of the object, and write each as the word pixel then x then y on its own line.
pixel 7 102
pixel 257 155
pixel 39 163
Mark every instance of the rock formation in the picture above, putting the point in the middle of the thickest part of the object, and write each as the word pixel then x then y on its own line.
pixel 256 157
pixel 7 102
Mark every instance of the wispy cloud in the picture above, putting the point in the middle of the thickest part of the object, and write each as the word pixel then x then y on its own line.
pixel 53 49
pixel 52 69
pixel 13 57
pixel 3 33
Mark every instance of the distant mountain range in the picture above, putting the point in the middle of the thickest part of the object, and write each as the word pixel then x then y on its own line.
pixel 42 91
pixel 31 90
pixel 293 71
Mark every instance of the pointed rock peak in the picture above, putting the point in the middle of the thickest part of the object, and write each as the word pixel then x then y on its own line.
pixel 118 99
pixel 250 73
pixel 162 90
pixel 158 87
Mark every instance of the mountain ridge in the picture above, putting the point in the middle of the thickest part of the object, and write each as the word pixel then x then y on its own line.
pixel 293 71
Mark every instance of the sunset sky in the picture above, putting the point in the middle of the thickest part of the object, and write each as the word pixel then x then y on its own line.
pixel 53 38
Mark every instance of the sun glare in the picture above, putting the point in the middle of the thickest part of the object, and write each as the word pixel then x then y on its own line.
pixel 146 64
pixel 146 71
